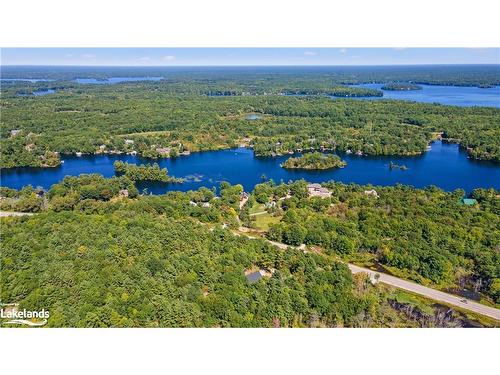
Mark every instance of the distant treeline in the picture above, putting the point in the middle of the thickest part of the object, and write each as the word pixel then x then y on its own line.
pixel 94 120
pixel 460 75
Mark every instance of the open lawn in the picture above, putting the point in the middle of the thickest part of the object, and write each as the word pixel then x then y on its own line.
pixel 263 221
pixel 257 207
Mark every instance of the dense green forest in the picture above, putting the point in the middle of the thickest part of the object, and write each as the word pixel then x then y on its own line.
pixel 144 118
pixel 98 253
pixel 314 160
pixel 95 257
pixel 268 76
pixel 426 235
pixel 193 109
pixel 131 268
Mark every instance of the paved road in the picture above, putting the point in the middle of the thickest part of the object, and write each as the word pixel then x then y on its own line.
pixel 417 288
pixel 7 213
pixel 429 292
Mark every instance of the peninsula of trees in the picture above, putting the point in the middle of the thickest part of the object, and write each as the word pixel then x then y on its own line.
pixel 315 161
pixel 144 173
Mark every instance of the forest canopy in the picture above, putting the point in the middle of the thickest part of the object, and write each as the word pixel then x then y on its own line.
pixel 205 110
pixel 172 261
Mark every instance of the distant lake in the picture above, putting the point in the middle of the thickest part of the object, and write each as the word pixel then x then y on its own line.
pixel 43 92
pixel 112 80
pixel 39 92
pixel 32 80
pixel 444 165
pixel 449 95
pixel 253 116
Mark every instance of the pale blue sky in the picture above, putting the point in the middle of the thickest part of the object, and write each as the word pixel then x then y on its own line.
pixel 247 56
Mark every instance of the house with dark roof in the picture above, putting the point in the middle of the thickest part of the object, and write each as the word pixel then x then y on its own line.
pixel 254 276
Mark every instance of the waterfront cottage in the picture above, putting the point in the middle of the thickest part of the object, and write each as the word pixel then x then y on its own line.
pixel 163 150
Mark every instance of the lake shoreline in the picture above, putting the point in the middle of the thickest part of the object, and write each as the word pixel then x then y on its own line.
pixel 444 165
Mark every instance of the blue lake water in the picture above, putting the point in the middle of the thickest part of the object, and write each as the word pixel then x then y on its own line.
pixel 39 92
pixel 32 80
pixel 43 92
pixel 444 165
pixel 449 95
pixel 112 80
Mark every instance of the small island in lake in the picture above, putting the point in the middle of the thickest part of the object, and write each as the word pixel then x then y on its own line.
pixel 397 166
pixel 401 87
pixel 314 161
pixel 144 172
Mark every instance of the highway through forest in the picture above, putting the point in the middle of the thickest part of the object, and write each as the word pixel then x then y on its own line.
pixel 425 291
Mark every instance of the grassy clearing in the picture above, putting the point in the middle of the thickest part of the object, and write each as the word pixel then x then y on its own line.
pixel 257 207
pixel 263 222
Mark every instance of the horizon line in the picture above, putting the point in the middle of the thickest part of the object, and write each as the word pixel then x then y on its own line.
pixel 245 65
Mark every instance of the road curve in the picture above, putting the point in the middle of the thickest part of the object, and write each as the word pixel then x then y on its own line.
pixel 433 294
pixel 437 295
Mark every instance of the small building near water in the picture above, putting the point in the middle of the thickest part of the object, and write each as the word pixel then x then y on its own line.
pixel 468 201
pixel 163 150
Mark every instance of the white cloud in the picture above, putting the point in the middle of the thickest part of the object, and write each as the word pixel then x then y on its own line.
pixel 69 55
pixel 145 58
pixel 88 56
pixel 169 58
pixel 310 53
pixel 343 50
pixel 399 48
